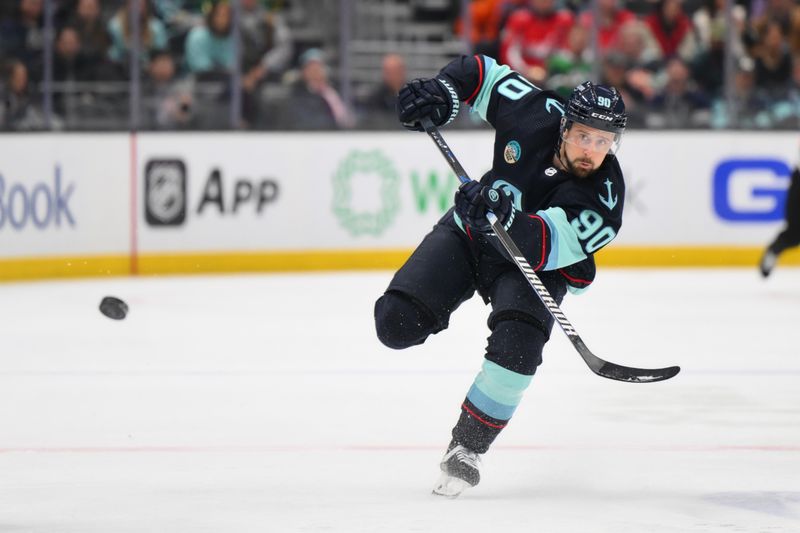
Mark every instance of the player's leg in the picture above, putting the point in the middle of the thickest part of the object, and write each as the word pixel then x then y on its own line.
pixel 435 280
pixel 790 236
pixel 520 326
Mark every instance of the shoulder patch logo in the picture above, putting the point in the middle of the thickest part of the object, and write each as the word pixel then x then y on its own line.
pixel 552 102
pixel 551 171
pixel 512 152
pixel 611 201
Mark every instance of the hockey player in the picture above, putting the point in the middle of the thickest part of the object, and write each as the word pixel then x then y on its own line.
pixel 557 188
pixel 790 236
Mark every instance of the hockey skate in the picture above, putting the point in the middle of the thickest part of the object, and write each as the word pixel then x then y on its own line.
pixel 767 263
pixel 460 471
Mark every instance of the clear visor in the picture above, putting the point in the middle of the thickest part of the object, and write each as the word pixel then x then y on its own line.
pixel 598 141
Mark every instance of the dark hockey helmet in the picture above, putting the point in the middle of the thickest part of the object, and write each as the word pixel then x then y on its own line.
pixel 596 106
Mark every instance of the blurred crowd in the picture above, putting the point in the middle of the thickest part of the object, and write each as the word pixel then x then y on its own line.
pixel 666 56
pixel 186 55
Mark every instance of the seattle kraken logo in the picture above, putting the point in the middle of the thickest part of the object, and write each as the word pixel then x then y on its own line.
pixel 552 102
pixel 611 201
pixel 509 190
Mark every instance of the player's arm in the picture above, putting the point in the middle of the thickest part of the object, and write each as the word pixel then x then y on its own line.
pixel 537 239
pixel 583 218
pixel 571 230
pixel 489 88
pixel 479 81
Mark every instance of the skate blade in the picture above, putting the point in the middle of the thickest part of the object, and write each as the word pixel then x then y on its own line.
pixel 449 486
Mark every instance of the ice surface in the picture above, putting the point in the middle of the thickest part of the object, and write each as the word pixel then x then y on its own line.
pixel 266 404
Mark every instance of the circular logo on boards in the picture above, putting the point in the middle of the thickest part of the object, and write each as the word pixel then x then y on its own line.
pixel 512 152
pixel 376 171
pixel 165 192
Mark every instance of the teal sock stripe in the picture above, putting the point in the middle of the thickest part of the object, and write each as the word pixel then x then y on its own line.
pixel 498 391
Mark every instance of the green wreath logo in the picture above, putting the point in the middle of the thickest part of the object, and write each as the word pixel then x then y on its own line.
pixel 366 222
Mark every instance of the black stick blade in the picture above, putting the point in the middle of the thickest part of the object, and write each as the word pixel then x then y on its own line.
pixel 629 374
pixel 636 375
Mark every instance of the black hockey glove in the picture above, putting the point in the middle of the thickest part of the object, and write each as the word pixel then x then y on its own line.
pixel 473 200
pixel 579 275
pixel 423 98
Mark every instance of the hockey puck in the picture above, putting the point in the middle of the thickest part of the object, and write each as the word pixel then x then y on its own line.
pixel 113 308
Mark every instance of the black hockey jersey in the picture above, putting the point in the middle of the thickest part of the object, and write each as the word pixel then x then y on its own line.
pixel 564 219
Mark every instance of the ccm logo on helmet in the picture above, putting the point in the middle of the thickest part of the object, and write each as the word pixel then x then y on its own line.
pixel 602 116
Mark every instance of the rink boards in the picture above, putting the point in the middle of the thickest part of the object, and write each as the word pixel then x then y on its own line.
pixel 111 204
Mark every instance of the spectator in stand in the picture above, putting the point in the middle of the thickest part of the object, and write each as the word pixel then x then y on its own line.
pixel 615 73
pixel 785 12
pixel 773 61
pixel 637 44
pixel 672 29
pixel 210 48
pixel 570 66
pixel 612 18
pixel 507 7
pixel 70 66
pixel 379 107
pixel 486 18
pixel 313 104
pixel 266 51
pixel 180 16
pixel 531 35
pixel 267 42
pixel 750 108
pixel 69 62
pixel 92 32
pixel 152 33
pixel 22 35
pixel 785 111
pixel 642 58
pixel 168 101
pixel 679 104
pixel 18 111
pixel 708 67
pixel 710 22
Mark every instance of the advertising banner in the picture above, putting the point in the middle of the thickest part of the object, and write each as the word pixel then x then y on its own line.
pixel 292 191
pixel 263 201
pixel 64 195
pixel 705 188
pixel 386 190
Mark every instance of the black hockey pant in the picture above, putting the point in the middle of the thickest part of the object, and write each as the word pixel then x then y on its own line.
pixel 443 272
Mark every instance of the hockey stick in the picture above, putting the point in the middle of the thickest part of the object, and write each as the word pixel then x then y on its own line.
pixel 597 365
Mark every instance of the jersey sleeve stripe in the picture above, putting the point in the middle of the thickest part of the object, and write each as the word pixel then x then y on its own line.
pixel 480 79
pixel 565 248
pixel 574 279
pixel 544 242
pixel 494 73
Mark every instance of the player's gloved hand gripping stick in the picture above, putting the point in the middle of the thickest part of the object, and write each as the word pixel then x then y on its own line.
pixel 597 365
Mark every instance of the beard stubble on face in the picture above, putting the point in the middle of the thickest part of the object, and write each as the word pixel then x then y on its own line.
pixel 576 169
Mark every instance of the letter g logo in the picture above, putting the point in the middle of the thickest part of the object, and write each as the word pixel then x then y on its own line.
pixel 750 190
